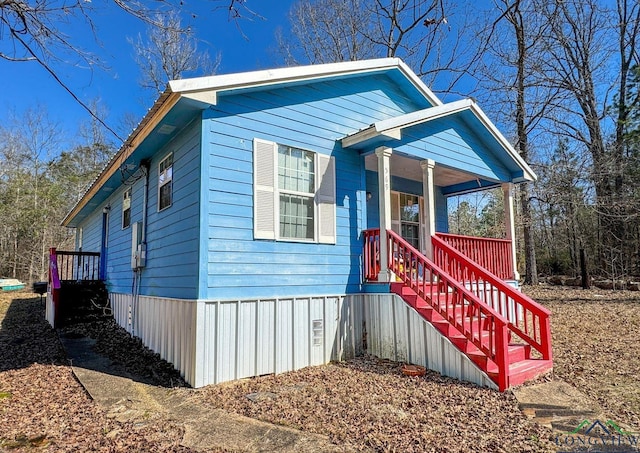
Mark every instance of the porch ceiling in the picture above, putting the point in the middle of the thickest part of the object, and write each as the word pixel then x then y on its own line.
pixel 408 168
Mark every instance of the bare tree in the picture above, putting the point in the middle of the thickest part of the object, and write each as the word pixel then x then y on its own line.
pixel 327 31
pixel 427 34
pixel 512 84
pixel 589 58
pixel 169 52
pixel 35 30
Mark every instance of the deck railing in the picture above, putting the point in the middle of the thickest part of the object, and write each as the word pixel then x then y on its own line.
pixel 77 265
pixel 485 328
pixel 494 255
pixel 371 254
pixel 527 319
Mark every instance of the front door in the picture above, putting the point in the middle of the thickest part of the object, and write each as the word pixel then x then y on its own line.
pixel 407 218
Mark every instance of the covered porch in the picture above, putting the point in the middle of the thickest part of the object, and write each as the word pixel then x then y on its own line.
pixel 459 284
pixel 415 162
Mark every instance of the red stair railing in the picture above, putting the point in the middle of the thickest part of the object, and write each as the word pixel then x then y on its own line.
pixel 495 255
pixel 529 320
pixel 487 329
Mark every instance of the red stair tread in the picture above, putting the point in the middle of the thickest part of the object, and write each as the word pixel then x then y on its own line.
pixel 525 370
pixel 521 368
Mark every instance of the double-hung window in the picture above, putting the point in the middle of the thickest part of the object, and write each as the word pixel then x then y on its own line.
pixel 126 208
pixel 294 194
pixel 296 187
pixel 165 182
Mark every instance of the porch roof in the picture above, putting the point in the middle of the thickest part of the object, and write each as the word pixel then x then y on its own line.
pixel 394 133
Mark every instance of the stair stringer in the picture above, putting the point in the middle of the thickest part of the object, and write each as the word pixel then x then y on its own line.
pixel 396 331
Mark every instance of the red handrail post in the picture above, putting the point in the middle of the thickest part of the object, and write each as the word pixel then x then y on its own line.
pixel 545 338
pixel 502 359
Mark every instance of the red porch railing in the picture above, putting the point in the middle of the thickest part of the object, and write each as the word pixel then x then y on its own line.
pixel 371 255
pixel 527 319
pixel 486 329
pixel 495 255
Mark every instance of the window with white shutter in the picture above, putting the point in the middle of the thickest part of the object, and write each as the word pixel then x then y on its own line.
pixel 294 194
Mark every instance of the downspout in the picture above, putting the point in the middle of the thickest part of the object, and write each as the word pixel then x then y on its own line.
pixel 145 165
pixel 145 196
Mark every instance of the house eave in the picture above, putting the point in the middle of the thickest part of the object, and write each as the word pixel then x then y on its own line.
pixel 391 129
pixel 156 113
pixel 217 84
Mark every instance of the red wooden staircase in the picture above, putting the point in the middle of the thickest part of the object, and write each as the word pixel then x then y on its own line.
pixel 504 332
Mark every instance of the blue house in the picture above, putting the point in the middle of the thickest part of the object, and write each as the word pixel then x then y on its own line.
pixel 265 221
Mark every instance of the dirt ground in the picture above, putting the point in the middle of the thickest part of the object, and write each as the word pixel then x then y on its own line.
pixel 366 403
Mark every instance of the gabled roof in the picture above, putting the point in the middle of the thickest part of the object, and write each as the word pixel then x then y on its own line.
pixel 206 89
pixel 183 99
pixel 391 129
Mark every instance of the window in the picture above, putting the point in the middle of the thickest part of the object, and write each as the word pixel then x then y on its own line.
pixel 406 217
pixel 294 194
pixel 165 182
pixel 296 185
pixel 410 219
pixel 126 208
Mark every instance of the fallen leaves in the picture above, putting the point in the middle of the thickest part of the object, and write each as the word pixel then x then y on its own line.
pixel 596 344
pixel 366 403
pixel 42 405
pixel 369 404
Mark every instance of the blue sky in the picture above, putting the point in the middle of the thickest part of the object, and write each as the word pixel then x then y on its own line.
pixel 27 85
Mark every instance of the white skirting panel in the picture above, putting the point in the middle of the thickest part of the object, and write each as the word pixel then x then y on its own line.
pixel 395 331
pixel 244 338
pixel 167 326
pixel 217 341
pixel 50 310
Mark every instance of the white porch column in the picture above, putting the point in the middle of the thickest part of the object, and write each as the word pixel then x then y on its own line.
pixel 429 193
pixel 509 222
pixel 384 188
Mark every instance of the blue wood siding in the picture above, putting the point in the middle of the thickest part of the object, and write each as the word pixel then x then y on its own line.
pixel 407 186
pixel 91 231
pixel 173 233
pixel 311 117
pixel 442 212
pixel 450 142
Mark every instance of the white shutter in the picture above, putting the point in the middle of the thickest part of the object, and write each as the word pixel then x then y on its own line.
pixel 264 193
pixel 395 212
pixel 326 199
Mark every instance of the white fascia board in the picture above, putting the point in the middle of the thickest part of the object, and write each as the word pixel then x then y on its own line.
pixel 529 174
pixel 419 84
pixel 392 127
pixel 422 116
pixel 218 83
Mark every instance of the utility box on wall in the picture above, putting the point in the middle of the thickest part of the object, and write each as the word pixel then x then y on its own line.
pixel 138 248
